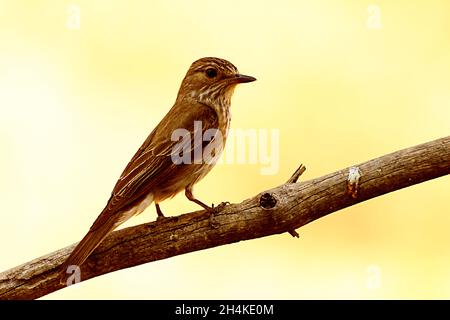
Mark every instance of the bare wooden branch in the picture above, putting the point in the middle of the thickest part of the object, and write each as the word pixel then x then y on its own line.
pixel 274 211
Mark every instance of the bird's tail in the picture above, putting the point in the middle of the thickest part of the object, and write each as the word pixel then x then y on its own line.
pixel 105 223
pixel 85 247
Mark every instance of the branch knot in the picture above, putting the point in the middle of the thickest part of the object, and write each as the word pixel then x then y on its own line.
pixel 267 201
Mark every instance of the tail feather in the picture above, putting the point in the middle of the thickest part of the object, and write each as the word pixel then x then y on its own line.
pixel 87 245
pixel 105 223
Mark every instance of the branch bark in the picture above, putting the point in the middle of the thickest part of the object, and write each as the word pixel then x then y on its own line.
pixel 282 209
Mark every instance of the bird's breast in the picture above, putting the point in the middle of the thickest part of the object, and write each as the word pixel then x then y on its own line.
pixel 224 115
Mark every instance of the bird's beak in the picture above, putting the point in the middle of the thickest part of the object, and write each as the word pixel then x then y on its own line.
pixel 241 78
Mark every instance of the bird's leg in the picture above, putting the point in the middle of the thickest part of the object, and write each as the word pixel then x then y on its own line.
pixel 159 212
pixel 190 196
pixel 212 209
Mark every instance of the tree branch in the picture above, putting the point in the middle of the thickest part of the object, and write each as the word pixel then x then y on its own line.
pixel 275 211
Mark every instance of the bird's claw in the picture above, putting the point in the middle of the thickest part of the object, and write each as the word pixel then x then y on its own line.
pixel 214 210
pixel 219 207
pixel 161 218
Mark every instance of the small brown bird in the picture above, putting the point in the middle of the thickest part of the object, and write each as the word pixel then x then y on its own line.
pixel 152 175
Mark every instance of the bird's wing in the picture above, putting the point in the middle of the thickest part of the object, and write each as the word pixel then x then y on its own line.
pixel 153 162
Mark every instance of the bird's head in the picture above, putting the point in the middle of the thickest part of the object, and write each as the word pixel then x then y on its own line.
pixel 211 81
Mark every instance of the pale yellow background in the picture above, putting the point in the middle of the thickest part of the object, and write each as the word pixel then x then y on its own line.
pixel 76 104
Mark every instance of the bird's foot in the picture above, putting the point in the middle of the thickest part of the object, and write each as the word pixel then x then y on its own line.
pixel 161 218
pixel 213 210
pixel 219 207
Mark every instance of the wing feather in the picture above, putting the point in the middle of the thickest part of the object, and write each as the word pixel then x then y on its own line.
pixel 153 163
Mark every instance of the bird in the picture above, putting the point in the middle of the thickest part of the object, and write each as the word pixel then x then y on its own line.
pixel 155 172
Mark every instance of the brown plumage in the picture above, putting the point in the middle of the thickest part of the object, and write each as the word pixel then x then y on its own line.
pixel 152 175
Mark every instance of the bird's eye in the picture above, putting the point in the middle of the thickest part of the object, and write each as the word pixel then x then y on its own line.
pixel 211 72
